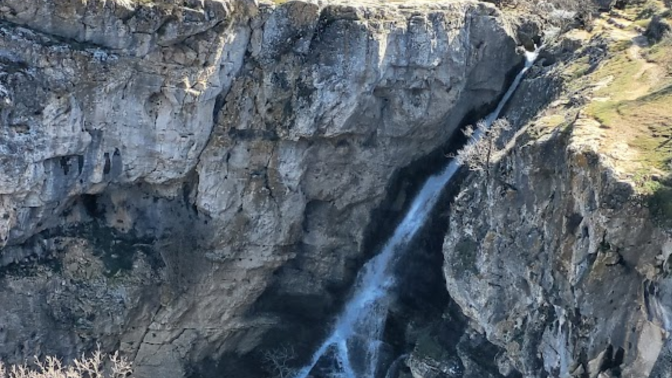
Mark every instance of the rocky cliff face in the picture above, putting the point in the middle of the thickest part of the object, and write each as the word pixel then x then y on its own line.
pixel 179 180
pixel 556 259
pixel 557 253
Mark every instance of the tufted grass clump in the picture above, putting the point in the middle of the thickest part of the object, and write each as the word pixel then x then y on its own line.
pixel 95 366
pixel 658 198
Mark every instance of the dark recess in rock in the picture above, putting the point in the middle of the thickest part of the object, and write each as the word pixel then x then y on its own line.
pixel 306 320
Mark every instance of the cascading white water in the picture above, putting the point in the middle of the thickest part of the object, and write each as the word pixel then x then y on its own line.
pixel 357 336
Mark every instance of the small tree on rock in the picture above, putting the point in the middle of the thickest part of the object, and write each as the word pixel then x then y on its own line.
pixel 478 153
pixel 279 361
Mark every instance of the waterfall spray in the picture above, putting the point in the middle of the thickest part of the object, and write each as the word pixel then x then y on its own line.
pixel 356 338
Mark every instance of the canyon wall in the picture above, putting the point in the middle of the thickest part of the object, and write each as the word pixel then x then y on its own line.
pixel 557 259
pixel 189 182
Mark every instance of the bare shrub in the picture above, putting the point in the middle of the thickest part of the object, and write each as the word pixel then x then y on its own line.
pixel 96 366
pixel 279 361
pixel 482 147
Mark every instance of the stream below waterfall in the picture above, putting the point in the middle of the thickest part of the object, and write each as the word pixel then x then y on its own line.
pixel 353 348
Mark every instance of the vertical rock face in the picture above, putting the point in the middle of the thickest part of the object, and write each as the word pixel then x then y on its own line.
pixel 164 166
pixel 553 258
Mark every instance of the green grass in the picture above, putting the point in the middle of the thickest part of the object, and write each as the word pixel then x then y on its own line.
pixel 642 10
pixel 548 123
pixel 652 111
pixel 661 53
pixel 648 118
pixel 632 100
pixel 639 23
pixel 578 69
pixel 646 121
pixel 658 198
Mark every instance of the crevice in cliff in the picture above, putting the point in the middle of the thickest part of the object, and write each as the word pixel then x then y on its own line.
pixel 406 182
pixel 55 39
pixel 422 297
pixel 436 229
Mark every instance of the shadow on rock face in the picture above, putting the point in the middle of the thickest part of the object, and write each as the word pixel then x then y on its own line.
pixel 302 321
pixel 100 270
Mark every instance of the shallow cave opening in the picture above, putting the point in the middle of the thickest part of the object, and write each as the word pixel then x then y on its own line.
pixel 612 361
pixel 90 204
pixel 117 225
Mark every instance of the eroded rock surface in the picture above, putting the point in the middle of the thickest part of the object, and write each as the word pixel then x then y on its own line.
pixel 163 166
pixel 556 260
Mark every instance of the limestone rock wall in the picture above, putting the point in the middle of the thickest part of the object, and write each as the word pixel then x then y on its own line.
pixel 556 260
pixel 176 180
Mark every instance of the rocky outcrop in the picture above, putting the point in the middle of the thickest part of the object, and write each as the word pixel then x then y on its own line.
pixel 557 260
pixel 657 29
pixel 177 180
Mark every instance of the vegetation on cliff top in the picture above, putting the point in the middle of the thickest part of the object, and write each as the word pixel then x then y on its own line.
pixel 621 82
pixel 633 104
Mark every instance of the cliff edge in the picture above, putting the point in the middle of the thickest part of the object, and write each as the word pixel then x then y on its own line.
pixel 559 252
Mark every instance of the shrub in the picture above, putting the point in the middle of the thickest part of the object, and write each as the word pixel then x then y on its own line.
pixel 479 152
pixel 96 366
pixel 279 362
pixel 659 29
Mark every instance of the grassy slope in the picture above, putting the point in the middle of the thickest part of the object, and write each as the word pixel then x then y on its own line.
pixel 628 101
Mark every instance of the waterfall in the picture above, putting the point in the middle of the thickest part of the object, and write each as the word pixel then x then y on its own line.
pixel 355 341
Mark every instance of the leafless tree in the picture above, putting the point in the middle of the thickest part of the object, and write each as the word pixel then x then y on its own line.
pixel 279 361
pixel 478 153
